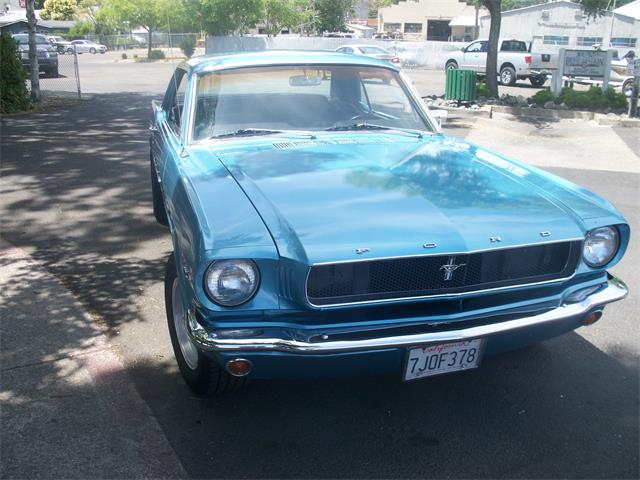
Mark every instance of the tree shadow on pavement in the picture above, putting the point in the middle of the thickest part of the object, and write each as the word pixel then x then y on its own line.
pixel 76 194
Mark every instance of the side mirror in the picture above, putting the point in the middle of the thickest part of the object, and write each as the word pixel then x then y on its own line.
pixel 463 49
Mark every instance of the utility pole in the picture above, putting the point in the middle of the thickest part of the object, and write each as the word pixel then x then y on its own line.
pixel 33 52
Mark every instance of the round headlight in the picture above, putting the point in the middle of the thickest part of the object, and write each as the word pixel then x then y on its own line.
pixel 231 282
pixel 600 246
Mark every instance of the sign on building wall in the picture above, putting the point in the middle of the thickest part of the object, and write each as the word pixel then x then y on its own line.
pixel 585 63
pixel 633 67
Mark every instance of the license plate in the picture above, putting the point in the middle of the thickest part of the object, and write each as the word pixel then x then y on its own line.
pixel 443 358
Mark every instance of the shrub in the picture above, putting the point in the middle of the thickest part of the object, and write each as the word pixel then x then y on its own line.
pixel 188 46
pixel 156 55
pixel 482 90
pixel 124 56
pixel 14 95
pixel 542 97
pixel 593 99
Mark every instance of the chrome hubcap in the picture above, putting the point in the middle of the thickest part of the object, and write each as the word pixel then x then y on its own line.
pixel 188 349
pixel 506 77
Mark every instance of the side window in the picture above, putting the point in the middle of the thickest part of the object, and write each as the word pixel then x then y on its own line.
pixel 474 47
pixel 484 47
pixel 174 101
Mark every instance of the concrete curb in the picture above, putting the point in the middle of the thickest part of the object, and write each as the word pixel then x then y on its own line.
pixel 487 111
pixel 543 113
pixel 70 409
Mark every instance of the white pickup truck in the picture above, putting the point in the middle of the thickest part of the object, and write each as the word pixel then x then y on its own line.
pixel 514 61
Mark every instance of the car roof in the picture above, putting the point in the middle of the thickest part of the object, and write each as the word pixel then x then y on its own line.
pixel 224 61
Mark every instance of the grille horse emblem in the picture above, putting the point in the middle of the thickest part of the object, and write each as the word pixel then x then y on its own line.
pixel 450 267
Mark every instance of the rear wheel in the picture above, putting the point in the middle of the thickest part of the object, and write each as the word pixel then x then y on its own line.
pixel 507 75
pixel 202 374
pixel 538 80
pixel 451 65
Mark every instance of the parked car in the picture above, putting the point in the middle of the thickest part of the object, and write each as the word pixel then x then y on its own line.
pixel 47 56
pixel 87 46
pixel 323 226
pixel 370 51
pixel 514 61
pixel 60 44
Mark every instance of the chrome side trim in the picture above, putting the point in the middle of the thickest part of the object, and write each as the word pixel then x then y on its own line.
pixel 614 290
pixel 437 295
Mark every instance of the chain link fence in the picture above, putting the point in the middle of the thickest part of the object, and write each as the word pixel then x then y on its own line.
pixel 65 81
pixel 141 40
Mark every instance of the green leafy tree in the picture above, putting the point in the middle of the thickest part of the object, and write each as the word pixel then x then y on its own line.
pixel 14 95
pixel 151 15
pixel 225 17
pixel 279 14
pixel 59 10
pixel 80 29
pixel 332 15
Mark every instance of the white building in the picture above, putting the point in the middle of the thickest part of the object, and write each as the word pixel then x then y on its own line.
pixel 551 26
pixel 439 20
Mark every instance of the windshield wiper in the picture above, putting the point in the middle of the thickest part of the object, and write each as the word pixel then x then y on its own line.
pixel 246 132
pixel 371 126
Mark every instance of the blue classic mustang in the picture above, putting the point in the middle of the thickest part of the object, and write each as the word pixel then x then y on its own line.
pixel 323 226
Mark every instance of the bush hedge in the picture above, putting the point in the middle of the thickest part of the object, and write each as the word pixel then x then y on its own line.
pixel 156 55
pixel 593 99
pixel 14 95
pixel 188 46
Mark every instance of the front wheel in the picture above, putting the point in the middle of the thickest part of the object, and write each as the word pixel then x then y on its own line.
pixel 508 76
pixel 202 374
pixel 538 80
pixel 92 50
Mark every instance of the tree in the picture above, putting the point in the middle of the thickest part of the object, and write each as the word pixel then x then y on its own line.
pixel 375 5
pixel 59 10
pixel 33 52
pixel 14 96
pixel 331 15
pixel 225 17
pixel 279 14
pixel 151 15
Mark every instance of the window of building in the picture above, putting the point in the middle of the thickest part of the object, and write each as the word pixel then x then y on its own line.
pixel 545 14
pixel 438 30
pixel 589 41
pixel 412 28
pixel 623 42
pixel 392 27
pixel 555 40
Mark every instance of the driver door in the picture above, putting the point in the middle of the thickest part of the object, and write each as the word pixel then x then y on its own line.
pixel 475 56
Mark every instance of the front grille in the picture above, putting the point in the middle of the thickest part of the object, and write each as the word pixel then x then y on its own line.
pixel 408 277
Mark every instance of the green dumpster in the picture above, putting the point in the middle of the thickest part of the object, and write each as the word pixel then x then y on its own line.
pixel 461 85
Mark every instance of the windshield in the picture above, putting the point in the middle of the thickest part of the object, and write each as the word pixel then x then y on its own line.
pixel 24 39
pixel 303 98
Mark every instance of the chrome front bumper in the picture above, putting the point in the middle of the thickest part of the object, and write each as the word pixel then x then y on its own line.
pixel 613 291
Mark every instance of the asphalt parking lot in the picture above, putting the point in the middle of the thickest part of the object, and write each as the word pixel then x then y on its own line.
pixel 79 202
pixel 110 73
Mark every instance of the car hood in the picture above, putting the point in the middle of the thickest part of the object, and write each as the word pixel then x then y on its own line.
pixel 392 195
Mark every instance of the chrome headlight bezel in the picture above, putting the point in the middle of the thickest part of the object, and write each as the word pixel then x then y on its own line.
pixel 608 235
pixel 248 286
